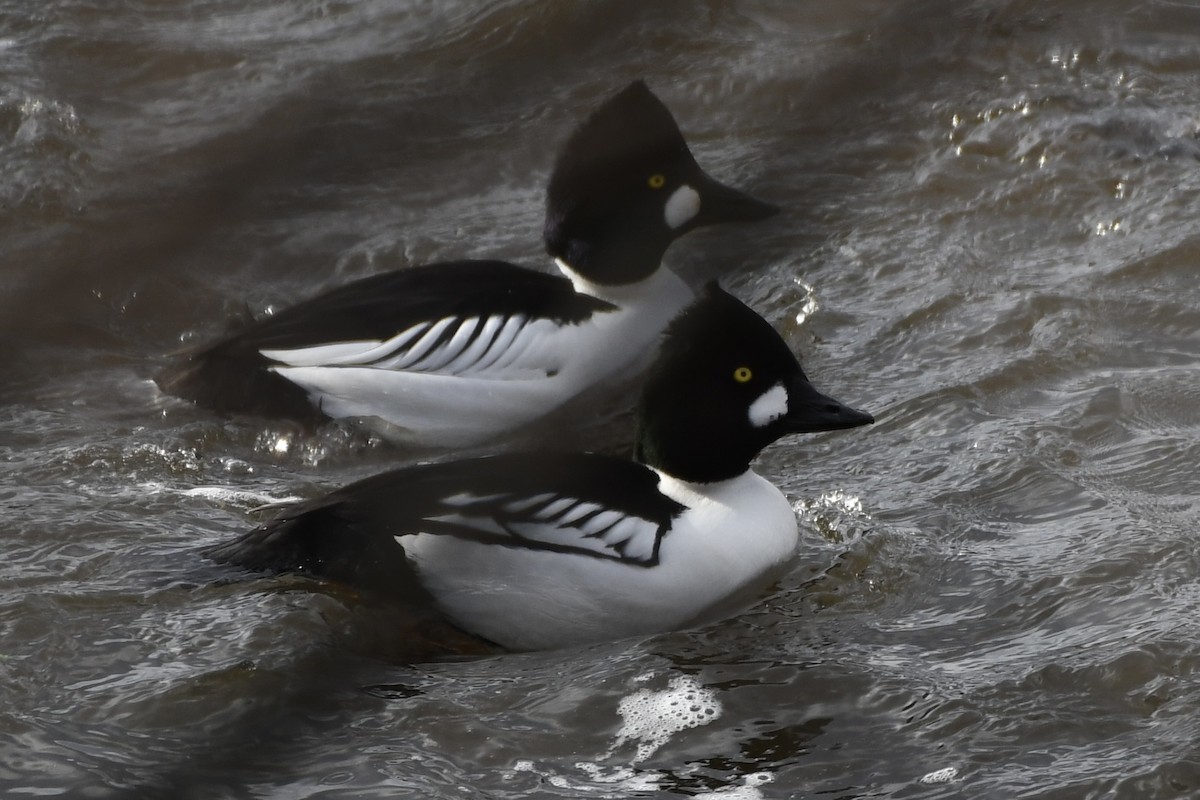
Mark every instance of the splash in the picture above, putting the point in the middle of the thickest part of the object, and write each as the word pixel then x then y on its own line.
pixel 226 495
pixel 808 305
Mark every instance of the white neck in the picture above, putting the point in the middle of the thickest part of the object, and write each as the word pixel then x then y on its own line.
pixel 661 284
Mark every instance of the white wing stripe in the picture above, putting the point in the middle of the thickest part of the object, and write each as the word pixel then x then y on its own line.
pixel 383 349
pixel 599 525
pixel 452 345
pixel 337 354
pixel 467 499
pixel 637 537
pixel 502 341
pixel 397 342
pixel 419 348
pixel 522 503
pixel 323 354
pixel 481 524
pixel 470 357
pixel 525 337
pixel 554 536
pixel 554 521
pixel 580 510
pixel 443 355
pixel 550 512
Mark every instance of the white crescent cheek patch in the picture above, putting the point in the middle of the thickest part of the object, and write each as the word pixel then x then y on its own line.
pixel 682 205
pixel 770 406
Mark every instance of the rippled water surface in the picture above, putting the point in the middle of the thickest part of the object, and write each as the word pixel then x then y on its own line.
pixel 990 240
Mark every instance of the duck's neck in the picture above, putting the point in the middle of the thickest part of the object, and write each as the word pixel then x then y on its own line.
pixel 694 458
pixel 662 287
pixel 680 489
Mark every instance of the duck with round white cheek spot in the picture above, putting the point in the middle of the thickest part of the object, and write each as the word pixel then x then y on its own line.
pixel 539 550
pixel 456 354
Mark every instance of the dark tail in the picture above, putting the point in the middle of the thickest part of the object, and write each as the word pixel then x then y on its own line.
pixel 327 541
pixel 227 381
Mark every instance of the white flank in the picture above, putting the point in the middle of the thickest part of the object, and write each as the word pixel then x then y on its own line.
pixel 733 537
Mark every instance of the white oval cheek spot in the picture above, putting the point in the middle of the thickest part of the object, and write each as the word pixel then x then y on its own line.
pixel 682 205
pixel 770 406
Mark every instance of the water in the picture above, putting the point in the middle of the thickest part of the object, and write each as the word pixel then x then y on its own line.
pixel 990 241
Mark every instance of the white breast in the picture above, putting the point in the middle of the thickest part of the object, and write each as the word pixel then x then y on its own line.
pixel 733 536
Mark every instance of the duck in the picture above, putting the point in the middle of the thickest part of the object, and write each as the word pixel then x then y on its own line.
pixel 456 354
pixel 538 550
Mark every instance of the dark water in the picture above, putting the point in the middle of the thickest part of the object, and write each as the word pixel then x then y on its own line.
pixel 991 241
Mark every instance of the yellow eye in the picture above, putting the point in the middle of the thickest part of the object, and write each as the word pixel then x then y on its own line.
pixel 657 181
pixel 742 374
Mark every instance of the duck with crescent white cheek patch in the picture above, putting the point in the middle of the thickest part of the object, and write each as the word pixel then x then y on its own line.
pixel 544 550
pixel 455 354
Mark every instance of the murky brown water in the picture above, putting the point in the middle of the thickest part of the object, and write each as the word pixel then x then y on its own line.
pixel 991 242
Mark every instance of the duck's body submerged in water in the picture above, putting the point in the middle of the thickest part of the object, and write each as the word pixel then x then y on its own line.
pixel 454 354
pixel 535 550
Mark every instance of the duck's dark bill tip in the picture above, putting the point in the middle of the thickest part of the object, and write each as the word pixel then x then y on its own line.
pixel 853 418
pixel 812 412
pixel 721 203
pixel 832 418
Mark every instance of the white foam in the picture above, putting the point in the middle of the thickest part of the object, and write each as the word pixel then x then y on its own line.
pixel 627 778
pixel 599 778
pixel 944 775
pixel 651 718
pixel 747 791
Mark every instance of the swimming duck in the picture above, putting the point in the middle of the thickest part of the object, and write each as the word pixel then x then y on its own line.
pixel 542 550
pixel 454 354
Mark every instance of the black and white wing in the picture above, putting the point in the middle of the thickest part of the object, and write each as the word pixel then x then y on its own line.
pixel 591 506
pixel 476 318
pixel 587 505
